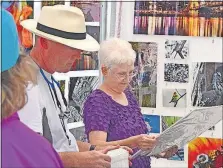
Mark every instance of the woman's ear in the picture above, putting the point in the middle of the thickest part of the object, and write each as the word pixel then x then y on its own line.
pixel 104 70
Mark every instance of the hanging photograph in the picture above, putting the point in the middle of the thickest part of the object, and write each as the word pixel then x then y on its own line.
pixel 52 3
pixel 174 98
pixel 144 81
pixel 79 89
pixel 205 152
pixel 87 61
pixel 207 88
pixel 167 121
pixel 91 9
pixel 176 49
pixel 176 73
pixel 152 122
pixel 62 85
pixel 181 18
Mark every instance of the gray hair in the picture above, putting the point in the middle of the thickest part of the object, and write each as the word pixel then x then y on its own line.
pixel 116 51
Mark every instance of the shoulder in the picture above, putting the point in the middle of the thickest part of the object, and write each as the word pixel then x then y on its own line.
pixel 96 97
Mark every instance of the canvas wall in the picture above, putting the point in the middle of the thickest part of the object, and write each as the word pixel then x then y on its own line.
pixel 201 49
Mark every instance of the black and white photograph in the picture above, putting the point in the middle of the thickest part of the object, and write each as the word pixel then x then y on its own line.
pixel 176 49
pixel 207 88
pixel 79 89
pixel 176 73
pixel 144 81
pixel 174 98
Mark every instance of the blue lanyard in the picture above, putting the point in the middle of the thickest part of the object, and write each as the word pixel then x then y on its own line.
pixel 50 83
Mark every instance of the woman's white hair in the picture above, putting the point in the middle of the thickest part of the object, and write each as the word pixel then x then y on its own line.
pixel 116 51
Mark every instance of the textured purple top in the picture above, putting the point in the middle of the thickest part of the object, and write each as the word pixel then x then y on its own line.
pixel 21 147
pixel 102 113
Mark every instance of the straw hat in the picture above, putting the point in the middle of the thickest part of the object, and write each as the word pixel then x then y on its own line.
pixel 62 24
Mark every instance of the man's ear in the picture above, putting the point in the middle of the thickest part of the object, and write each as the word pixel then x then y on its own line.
pixel 43 43
pixel 104 70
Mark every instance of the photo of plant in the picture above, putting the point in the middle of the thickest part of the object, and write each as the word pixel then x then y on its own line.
pixel 174 98
pixel 152 122
pixel 176 73
pixel 176 49
pixel 144 81
pixel 205 153
pixel 181 18
pixel 207 88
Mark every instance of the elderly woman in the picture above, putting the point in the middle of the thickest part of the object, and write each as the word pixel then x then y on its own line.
pixel 21 147
pixel 112 115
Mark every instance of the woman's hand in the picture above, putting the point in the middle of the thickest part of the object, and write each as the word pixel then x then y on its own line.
pixel 168 153
pixel 143 141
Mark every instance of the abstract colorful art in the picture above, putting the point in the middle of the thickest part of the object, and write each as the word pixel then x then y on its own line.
pixel 182 18
pixel 205 153
pixel 144 80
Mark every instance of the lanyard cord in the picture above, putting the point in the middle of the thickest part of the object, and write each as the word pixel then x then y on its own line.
pixel 61 115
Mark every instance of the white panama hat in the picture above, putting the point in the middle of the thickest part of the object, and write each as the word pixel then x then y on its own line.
pixel 62 24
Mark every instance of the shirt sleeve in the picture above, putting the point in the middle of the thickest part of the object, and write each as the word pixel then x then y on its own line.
pixel 96 114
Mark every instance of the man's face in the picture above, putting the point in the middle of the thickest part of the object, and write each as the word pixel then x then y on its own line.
pixel 60 58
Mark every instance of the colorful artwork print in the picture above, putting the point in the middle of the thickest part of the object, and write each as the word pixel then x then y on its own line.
pixel 79 89
pixel 90 9
pixel 176 49
pixel 167 121
pixel 144 80
pixel 205 153
pixel 174 98
pixel 52 3
pixel 176 73
pixel 152 122
pixel 181 18
pixel 207 88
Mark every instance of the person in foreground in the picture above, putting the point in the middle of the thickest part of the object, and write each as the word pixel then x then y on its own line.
pixel 58 45
pixel 112 115
pixel 21 147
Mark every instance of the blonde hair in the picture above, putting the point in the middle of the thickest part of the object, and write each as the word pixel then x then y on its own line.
pixel 14 83
pixel 116 51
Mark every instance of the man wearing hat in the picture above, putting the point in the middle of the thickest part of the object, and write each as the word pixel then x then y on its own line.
pixel 60 38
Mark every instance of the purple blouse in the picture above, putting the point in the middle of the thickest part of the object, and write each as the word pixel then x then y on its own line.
pixel 21 147
pixel 102 113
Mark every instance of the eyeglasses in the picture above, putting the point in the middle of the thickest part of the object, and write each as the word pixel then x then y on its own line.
pixel 124 75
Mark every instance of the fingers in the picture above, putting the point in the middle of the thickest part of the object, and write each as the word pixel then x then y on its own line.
pixel 109 148
pixel 128 149
pixel 106 165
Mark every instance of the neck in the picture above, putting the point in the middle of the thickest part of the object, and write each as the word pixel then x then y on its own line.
pixel 37 57
pixel 110 90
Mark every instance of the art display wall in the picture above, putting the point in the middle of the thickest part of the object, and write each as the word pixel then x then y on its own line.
pixel 188 71
pixel 178 67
